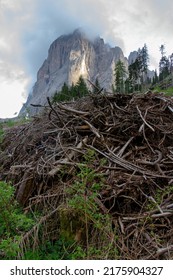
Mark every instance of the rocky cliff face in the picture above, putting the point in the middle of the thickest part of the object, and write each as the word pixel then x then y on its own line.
pixel 69 57
pixel 132 57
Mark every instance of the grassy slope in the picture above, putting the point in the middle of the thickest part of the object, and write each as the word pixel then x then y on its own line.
pixel 165 86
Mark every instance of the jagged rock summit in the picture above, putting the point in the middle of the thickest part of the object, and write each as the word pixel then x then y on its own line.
pixel 69 57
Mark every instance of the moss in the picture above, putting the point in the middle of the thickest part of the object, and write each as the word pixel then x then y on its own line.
pixel 72 227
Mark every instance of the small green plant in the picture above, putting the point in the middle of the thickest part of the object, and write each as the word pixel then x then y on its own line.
pixel 13 223
pixel 160 195
pixel 57 250
pixel 10 123
pixel 9 247
pixel 1 134
pixel 84 204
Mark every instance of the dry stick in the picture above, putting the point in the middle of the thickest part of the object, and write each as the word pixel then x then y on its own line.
pixel 169 206
pixel 164 214
pixel 145 215
pixel 36 199
pixel 112 113
pixel 170 108
pixel 124 163
pixel 36 227
pixel 20 166
pixel 157 205
pixel 53 131
pixel 24 188
pixel 165 100
pixel 153 200
pixel 164 250
pixel 99 90
pixel 93 129
pixel 142 128
pixel 66 159
pixel 103 207
pixel 121 109
pixel 68 109
pixel 152 162
pixel 82 127
pixel 56 113
pixel 127 165
pixel 121 225
pixel 121 151
pixel 147 124
pixel 38 105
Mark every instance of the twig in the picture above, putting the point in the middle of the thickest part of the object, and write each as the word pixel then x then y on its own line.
pixel 120 153
pixel 147 124
pixel 93 129
pixel 161 251
pixel 99 90
pixel 68 109
pixel 52 108
pixel 38 105
pixel 159 208
pixel 164 214
pixel 66 160
pixel 152 163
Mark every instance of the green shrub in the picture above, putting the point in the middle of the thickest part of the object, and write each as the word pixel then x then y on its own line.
pixel 1 134
pixel 13 223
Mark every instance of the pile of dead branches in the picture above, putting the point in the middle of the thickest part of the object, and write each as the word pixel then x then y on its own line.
pixel 132 135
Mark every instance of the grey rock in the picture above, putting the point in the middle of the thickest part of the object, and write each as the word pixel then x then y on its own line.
pixel 132 57
pixel 69 57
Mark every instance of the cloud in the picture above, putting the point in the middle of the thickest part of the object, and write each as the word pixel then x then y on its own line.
pixel 54 18
pixel 28 27
pixel 13 23
pixel 32 25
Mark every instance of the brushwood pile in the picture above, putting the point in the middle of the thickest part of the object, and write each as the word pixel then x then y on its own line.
pixel 110 154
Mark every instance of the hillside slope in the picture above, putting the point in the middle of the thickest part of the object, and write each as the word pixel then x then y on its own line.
pixel 99 170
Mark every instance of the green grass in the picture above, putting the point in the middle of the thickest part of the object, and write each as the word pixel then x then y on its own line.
pixel 1 134
pixel 168 91
pixel 13 222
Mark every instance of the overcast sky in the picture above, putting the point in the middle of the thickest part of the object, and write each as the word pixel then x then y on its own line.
pixel 28 27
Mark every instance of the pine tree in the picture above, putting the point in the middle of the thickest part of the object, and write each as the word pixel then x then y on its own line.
pixel 134 74
pixel 144 64
pixel 128 86
pixel 171 66
pixel 162 50
pixel 155 78
pixel 164 64
pixel 68 93
pixel 96 87
pixel 65 89
pixel 81 87
pixel 73 91
pixel 171 62
pixel 120 74
pixel 138 69
pixel 163 68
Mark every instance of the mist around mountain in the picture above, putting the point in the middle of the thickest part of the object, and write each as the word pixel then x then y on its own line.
pixel 75 55
pixel 69 57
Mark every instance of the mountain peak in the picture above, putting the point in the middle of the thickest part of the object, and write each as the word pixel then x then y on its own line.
pixel 71 56
pixel 79 31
